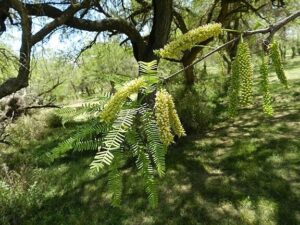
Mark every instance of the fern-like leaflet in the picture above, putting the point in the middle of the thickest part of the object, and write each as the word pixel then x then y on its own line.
pixel 145 167
pixel 155 145
pixel 89 137
pixel 113 139
pixel 147 68
pixel 115 185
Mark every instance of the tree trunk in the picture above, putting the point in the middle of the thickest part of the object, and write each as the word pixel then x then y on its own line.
pixel 189 74
pixel 159 35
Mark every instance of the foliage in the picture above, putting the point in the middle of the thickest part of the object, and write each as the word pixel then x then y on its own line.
pixel 103 67
pixel 16 202
pixel 244 171
pixel 52 120
pixel 50 79
pixel 8 63
pixel 122 124
pixel 27 129
pixel 196 106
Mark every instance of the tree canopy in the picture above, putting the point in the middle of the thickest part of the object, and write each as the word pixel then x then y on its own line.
pixel 146 25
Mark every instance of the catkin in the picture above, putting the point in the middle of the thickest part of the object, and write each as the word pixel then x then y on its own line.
pixel 174 118
pixel 114 105
pixel 267 106
pixel 162 117
pixel 277 62
pixel 234 89
pixel 245 69
pixel 188 40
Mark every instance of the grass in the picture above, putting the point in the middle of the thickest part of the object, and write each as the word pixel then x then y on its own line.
pixel 243 171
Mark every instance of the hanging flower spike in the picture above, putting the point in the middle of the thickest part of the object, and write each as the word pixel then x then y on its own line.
pixel 174 118
pixel 175 49
pixel 234 89
pixel 267 107
pixel 162 117
pixel 245 69
pixel 114 105
pixel 277 62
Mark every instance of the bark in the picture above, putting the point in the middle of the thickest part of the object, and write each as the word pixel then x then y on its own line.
pixel 159 35
pixel 14 84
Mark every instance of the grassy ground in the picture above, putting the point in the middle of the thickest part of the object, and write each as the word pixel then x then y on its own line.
pixel 244 171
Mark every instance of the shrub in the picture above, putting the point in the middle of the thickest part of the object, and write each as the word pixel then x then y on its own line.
pixel 52 120
pixel 27 129
pixel 17 200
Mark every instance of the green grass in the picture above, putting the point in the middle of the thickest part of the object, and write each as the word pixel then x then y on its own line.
pixel 243 171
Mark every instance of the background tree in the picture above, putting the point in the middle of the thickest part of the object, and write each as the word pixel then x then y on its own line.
pixel 148 25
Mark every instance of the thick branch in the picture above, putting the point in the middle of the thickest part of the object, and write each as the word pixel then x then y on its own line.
pixel 180 22
pixel 160 32
pixel 109 24
pixel 14 84
pixel 58 21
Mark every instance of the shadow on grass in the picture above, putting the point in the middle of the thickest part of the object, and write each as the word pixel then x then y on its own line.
pixel 250 184
pixel 243 172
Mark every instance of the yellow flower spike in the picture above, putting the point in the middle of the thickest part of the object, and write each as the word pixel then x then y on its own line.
pixel 188 40
pixel 267 107
pixel 174 118
pixel 245 69
pixel 162 117
pixel 114 105
pixel 234 89
pixel 277 62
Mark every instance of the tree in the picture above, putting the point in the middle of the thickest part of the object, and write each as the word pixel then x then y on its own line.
pixel 157 18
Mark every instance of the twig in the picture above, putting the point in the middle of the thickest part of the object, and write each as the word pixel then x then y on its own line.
pixel 41 106
pixel 200 59
pixel 58 83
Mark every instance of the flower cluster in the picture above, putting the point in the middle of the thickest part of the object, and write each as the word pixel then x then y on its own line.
pixel 162 117
pixel 174 118
pixel 245 69
pixel 234 89
pixel 267 107
pixel 277 63
pixel 166 117
pixel 175 49
pixel 114 105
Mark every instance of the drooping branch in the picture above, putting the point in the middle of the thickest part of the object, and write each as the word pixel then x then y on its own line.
pixel 272 29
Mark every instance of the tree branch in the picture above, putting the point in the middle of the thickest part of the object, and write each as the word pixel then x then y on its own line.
pixel 41 106
pixel 272 29
pixel 58 21
pixel 108 24
pixel 14 84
